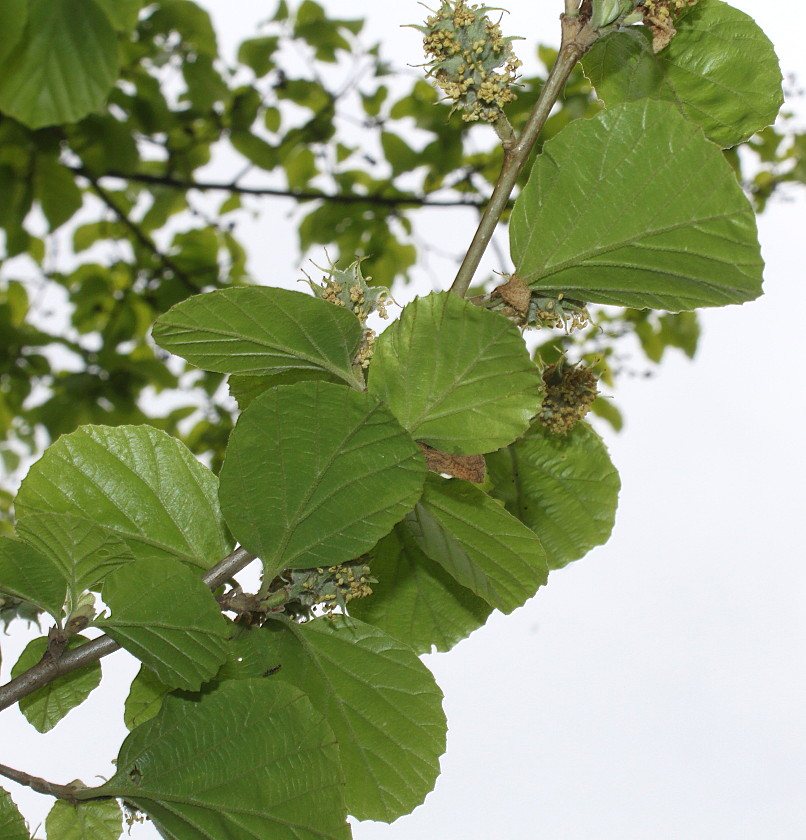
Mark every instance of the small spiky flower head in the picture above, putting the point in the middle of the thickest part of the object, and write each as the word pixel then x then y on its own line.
pixel 570 390
pixel 327 587
pixel 560 312
pixel 659 16
pixel 349 288
pixel 465 49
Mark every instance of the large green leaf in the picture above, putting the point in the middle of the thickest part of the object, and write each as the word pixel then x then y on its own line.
pixel 457 376
pixel 415 599
pixel 635 207
pixel 13 15
pixel 250 760
pixel 99 820
pixel 474 539
pixel 315 474
pixel 122 14
pixel 565 488
pixel 244 388
pixel 28 574
pixel 63 66
pixel 383 705
pixel 12 824
pixel 163 614
pixel 83 552
pixel 261 330
pixel 46 706
pixel 720 70
pixel 136 483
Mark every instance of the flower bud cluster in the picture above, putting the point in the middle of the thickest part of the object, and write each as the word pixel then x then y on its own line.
pixel 350 289
pixel 570 390
pixel 465 49
pixel 659 16
pixel 327 587
pixel 560 312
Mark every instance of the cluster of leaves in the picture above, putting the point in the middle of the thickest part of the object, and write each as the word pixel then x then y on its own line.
pixel 96 181
pixel 250 715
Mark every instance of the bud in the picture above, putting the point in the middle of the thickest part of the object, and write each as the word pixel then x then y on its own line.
pixel 606 12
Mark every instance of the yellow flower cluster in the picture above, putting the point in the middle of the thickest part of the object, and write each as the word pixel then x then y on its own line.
pixel 570 390
pixel 659 16
pixel 465 50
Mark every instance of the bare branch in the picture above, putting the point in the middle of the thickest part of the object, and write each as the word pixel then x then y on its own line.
pixel 67 792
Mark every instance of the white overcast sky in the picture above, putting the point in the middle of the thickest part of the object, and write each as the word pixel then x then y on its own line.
pixel 656 688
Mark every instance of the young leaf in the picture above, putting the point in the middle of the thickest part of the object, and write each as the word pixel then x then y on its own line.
pixel 315 474
pixel 163 614
pixel 63 66
pixel 99 820
pixel 136 483
pixel 261 330
pixel 251 759
pixel 474 539
pixel 83 552
pixel 457 376
pixel 144 699
pixel 635 208
pixel 27 574
pixel 12 824
pixel 565 488
pixel 56 190
pixel 383 705
pixel 415 599
pixel 720 70
pixel 46 706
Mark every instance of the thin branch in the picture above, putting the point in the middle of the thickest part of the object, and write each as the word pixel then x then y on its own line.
pixel 296 195
pixel 67 792
pixel 48 669
pixel 577 38
pixel 139 234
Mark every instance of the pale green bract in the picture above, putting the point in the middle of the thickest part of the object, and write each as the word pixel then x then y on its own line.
pixel 656 220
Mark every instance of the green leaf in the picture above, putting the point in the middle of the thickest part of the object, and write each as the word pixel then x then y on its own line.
pixel 258 54
pixel 635 208
pixel 245 388
pixel 135 483
pixel 565 488
pixel 56 190
pixel 457 376
pixel 46 706
pixel 12 824
pixel 261 330
pixel 315 474
pixel 474 539
pixel 145 697
pixel 27 574
pixel 415 599
pixel 720 70
pixel 13 16
pixel 99 820
pixel 251 759
pixel 383 705
pixel 163 614
pixel 122 14
pixel 83 553
pixel 63 66
pixel 250 655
